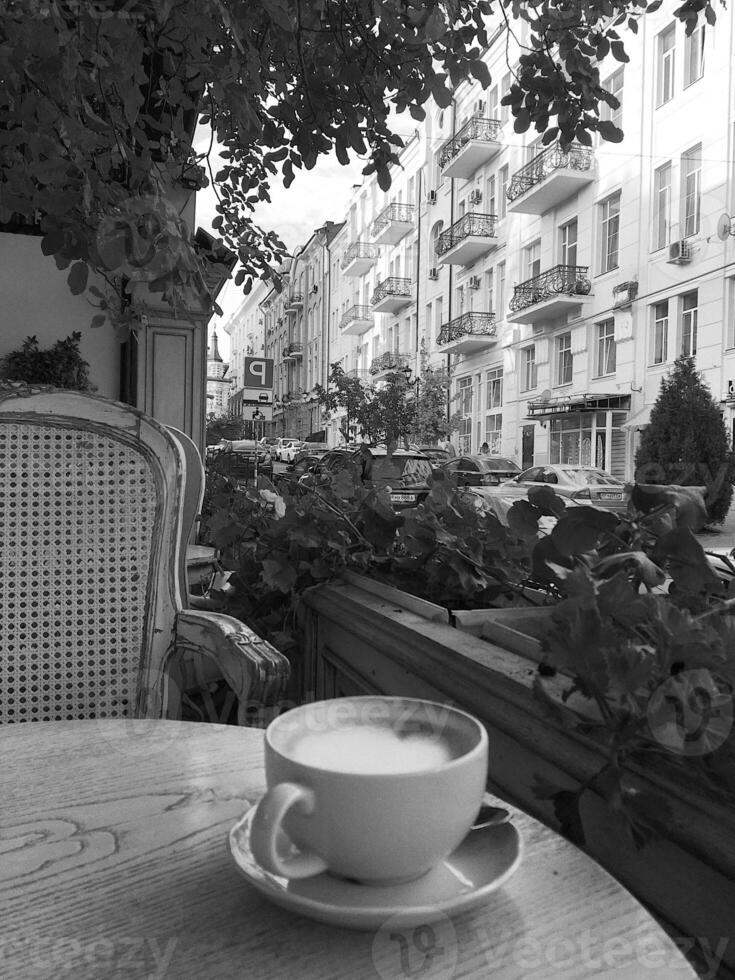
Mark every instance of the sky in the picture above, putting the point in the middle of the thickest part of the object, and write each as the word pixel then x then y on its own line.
pixel 315 196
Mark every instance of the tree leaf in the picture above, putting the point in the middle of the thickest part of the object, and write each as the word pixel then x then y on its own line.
pixel 77 278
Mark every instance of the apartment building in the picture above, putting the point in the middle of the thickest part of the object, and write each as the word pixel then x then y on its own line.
pixel 558 288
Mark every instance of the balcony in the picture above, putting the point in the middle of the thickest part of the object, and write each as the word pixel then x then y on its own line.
pixel 293 352
pixel 359 258
pixel 391 294
pixel 562 289
pixel 475 143
pixel 356 320
pixel 393 223
pixel 361 374
pixel 467 333
pixel 550 178
pixel 389 361
pixel 294 303
pixel 469 238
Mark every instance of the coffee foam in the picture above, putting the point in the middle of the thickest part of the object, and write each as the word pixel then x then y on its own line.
pixel 371 750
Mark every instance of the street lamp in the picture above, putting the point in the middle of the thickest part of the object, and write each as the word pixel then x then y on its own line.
pixel 416 383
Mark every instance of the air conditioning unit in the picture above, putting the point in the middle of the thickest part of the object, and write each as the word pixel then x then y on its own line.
pixel 431 197
pixel 433 273
pixel 476 196
pixel 474 282
pixel 680 252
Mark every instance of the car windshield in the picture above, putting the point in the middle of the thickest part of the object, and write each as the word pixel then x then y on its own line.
pixel 494 463
pixel 587 478
pixel 410 470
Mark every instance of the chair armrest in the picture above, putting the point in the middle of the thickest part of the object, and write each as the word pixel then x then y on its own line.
pixel 251 666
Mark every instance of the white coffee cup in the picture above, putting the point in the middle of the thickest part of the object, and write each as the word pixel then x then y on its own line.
pixel 378 789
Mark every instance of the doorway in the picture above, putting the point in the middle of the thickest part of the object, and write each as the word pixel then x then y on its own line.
pixel 527 446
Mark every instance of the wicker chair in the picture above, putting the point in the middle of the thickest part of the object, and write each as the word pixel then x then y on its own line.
pixel 94 518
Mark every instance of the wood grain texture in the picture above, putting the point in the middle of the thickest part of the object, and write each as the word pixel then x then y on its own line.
pixel 114 863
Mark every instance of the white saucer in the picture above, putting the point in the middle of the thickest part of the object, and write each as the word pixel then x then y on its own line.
pixel 484 861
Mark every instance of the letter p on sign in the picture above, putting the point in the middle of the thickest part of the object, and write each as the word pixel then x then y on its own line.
pixel 258 372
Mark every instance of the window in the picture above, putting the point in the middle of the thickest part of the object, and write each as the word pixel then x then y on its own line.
pixel 605 348
pixel 660 333
pixel 501 289
pixel 464 390
pixel 492 103
pixel 665 66
pixel 532 259
pixel 568 243
pixel 494 431
pixel 609 229
pixel 438 176
pixel 505 109
pixel 491 201
pixel 494 379
pixel 614 85
pixel 691 190
pixel 502 188
pixel 661 206
pixel 528 368
pixel 694 56
pixel 564 359
pixel 689 323
pixel 489 292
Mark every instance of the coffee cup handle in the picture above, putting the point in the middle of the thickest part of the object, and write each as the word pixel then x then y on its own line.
pixel 265 827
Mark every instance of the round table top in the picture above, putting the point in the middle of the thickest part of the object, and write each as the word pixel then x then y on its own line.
pixel 115 863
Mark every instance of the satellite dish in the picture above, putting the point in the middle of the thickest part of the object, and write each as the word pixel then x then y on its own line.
pixel 724 227
pixel 545 395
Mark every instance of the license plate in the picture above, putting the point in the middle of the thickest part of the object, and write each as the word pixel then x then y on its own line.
pixel 403 498
pixel 610 496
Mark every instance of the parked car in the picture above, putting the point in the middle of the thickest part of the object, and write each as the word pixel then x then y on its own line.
pixel 583 484
pixel 290 450
pixel 281 444
pixel 406 473
pixel 480 471
pixel 435 453
pixel 242 460
pixel 306 453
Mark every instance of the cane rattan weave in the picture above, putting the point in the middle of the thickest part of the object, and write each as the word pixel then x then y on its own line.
pixel 91 534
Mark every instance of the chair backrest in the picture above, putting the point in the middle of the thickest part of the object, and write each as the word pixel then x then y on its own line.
pixel 193 499
pixel 90 538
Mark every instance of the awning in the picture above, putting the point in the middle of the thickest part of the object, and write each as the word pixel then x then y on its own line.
pixel 640 420
pixel 563 405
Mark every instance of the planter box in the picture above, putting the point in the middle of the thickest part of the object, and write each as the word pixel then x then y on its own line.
pixel 362 642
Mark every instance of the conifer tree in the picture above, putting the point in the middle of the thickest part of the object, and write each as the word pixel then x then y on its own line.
pixel 686 442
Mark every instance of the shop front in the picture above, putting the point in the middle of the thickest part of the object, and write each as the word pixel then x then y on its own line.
pixel 585 430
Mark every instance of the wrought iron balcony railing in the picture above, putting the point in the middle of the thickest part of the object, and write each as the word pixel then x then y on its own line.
pixel 470 324
pixel 481 225
pixel 389 361
pixel 359 250
pixel 476 128
pixel 549 160
pixel 569 279
pixel 356 313
pixel 391 287
pixel 394 212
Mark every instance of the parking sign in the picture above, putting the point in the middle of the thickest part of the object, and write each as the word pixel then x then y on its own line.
pixel 259 373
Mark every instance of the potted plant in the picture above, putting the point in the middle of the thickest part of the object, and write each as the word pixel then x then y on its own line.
pixel 60 366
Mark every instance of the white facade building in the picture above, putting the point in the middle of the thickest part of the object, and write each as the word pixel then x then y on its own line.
pixel 557 287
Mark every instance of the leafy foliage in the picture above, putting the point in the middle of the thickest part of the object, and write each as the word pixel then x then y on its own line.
pixel 616 636
pixel 99 102
pixel 686 441
pixel 61 365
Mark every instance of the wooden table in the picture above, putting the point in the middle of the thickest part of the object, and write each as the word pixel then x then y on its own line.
pixel 114 864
